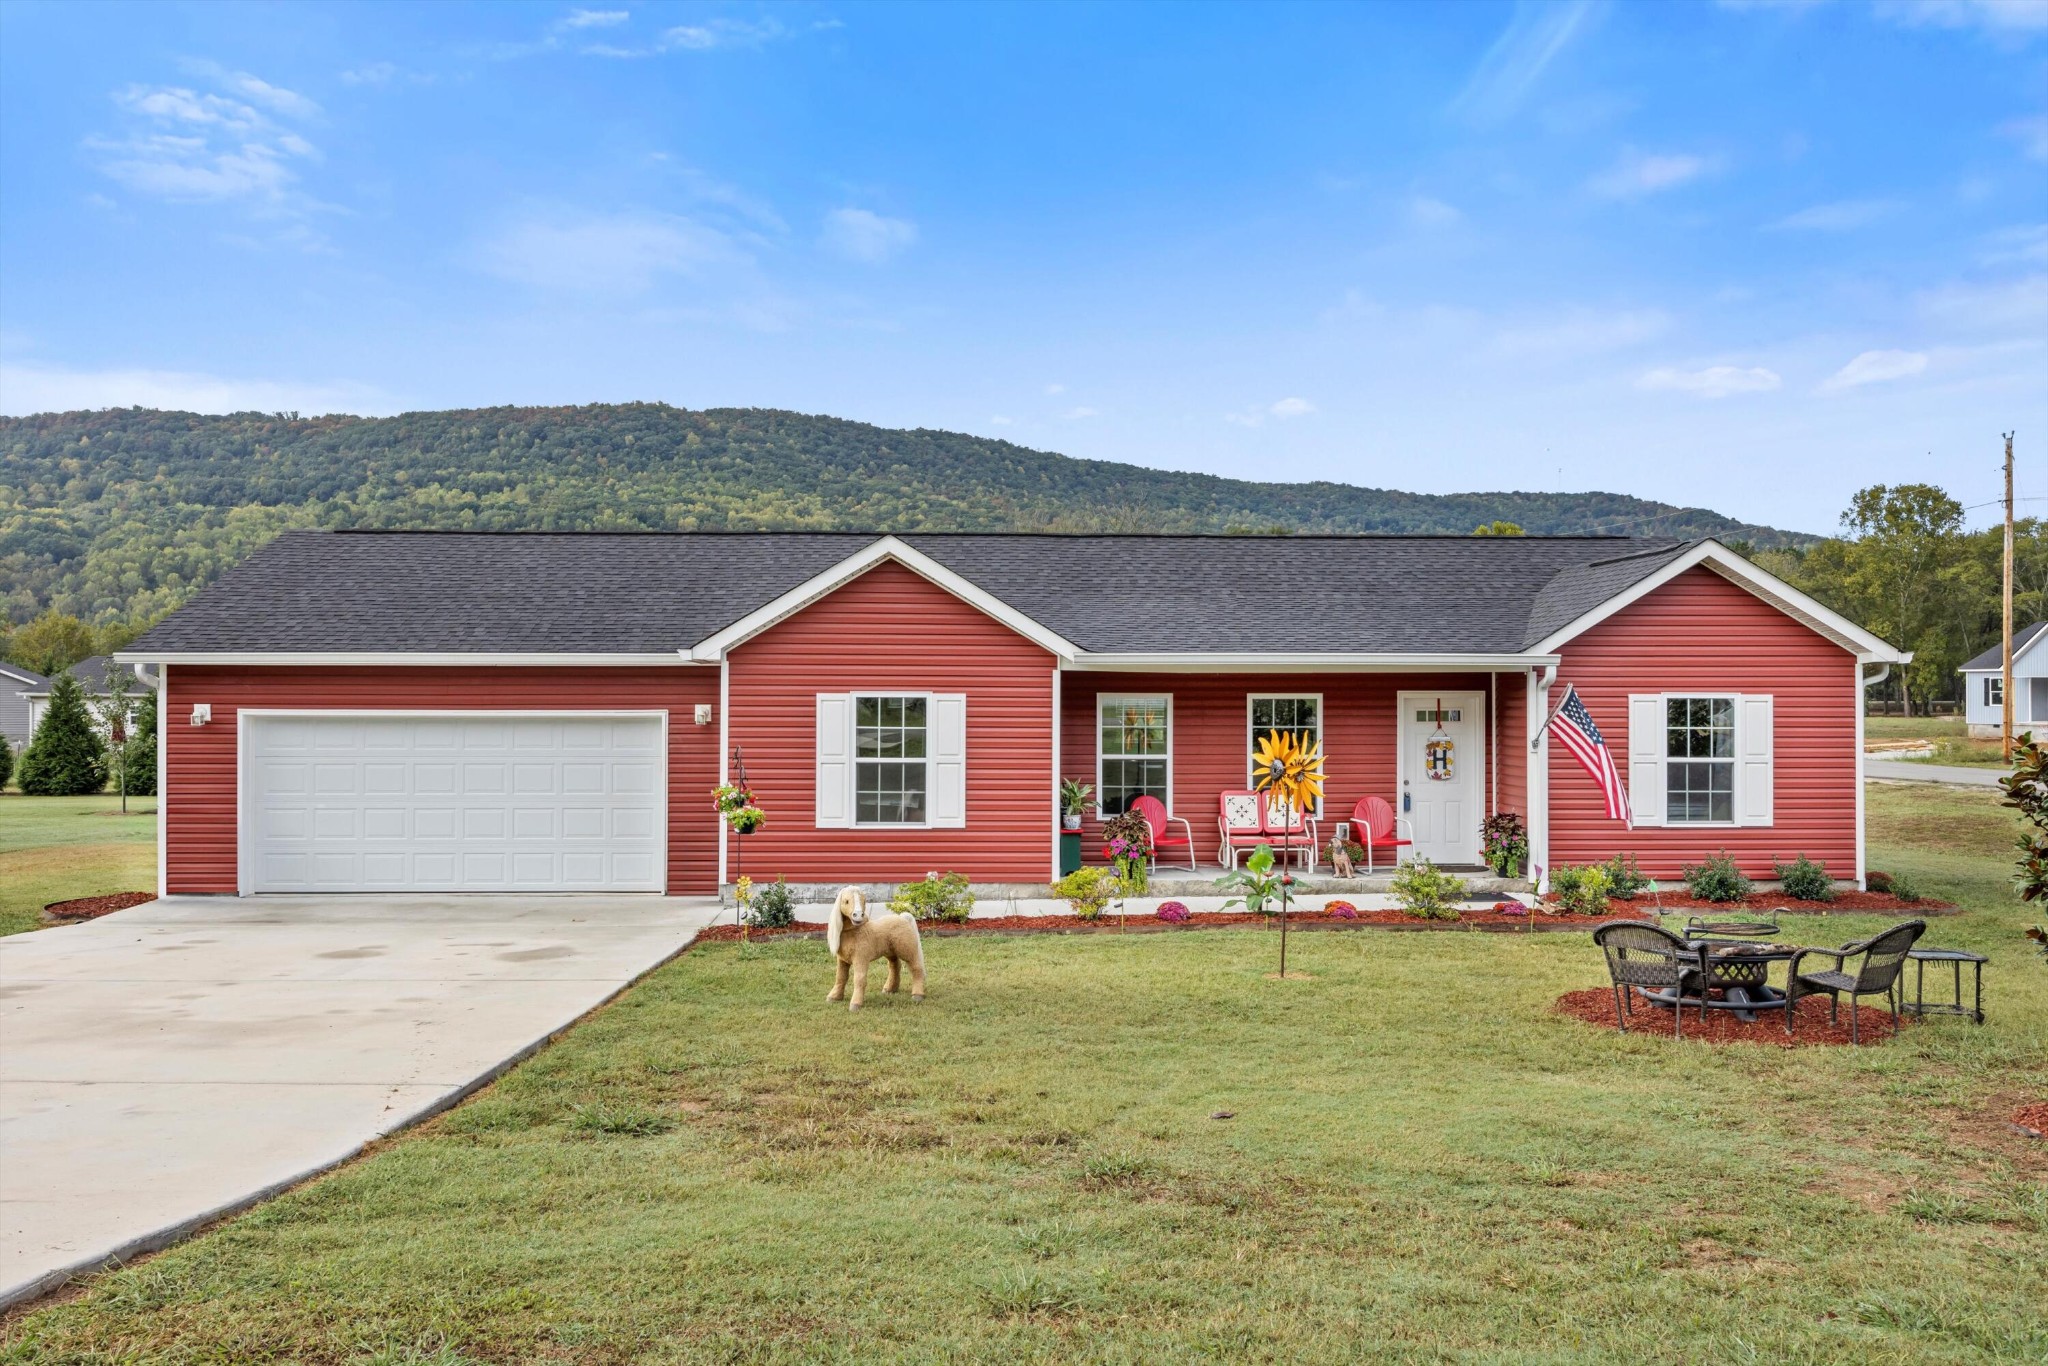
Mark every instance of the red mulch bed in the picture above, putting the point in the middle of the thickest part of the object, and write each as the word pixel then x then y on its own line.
pixel 92 907
pixel 1810 1021
pixel 1152 924
pixel 2033 1118
pixel 1845 901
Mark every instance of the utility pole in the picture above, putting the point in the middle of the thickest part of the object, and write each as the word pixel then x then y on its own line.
pixel 2005 694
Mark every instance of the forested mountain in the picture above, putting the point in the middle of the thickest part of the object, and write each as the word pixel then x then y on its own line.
pixel 120 514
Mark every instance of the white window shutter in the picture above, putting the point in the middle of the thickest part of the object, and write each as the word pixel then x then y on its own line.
pixel 946 802
pixel 1646 758
pixel 1755 779
pixel 834 798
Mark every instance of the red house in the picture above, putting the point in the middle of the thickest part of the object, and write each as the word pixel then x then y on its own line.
pixel 430 711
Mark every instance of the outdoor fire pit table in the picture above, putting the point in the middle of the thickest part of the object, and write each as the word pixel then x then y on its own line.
pixel 1740 970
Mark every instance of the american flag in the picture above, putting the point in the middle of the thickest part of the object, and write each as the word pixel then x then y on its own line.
pixel 1574 727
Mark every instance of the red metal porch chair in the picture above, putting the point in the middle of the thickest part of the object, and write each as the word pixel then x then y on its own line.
pixel 1374 825
pixel 1159 823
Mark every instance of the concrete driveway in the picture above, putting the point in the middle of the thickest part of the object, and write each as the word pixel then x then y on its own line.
pixel 181 1060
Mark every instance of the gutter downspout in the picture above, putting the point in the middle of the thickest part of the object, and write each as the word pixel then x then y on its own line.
pixel 1540 680
pixel 1865 683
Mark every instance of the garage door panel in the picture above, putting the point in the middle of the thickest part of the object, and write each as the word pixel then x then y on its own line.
pixel 454 804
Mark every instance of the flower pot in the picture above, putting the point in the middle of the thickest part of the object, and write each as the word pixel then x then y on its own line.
pixel 1071 821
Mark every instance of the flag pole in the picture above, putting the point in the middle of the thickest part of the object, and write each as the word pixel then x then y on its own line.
pixel 1552 717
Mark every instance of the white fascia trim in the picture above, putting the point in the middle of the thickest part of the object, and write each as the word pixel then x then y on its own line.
pixel 710 649
pixel 1326 662
pixel 1769 587
pixel 393 658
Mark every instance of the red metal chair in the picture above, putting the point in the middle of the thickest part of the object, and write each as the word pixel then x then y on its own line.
pixel 1156 819
pixel 1374 825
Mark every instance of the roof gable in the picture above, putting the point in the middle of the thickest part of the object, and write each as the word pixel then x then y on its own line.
pixel 1993 659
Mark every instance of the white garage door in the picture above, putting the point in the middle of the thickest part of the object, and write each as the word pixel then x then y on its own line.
pixel 453 803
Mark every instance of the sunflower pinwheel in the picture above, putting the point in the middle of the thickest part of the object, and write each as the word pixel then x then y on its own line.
pixel 1288 771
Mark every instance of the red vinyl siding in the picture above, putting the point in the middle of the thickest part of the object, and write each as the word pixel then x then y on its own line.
pixel 893 629
pixel 199 804
pixel 1701 631
pixel 1211 735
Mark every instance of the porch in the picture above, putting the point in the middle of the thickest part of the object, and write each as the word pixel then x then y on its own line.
pixel 1445 750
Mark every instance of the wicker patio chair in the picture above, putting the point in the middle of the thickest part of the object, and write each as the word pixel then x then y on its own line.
pixel 1883 955
pixel 1640 955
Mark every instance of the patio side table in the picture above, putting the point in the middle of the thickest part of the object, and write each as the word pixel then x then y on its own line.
pixel 1955 958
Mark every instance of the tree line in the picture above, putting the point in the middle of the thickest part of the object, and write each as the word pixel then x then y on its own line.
pixel 1907 569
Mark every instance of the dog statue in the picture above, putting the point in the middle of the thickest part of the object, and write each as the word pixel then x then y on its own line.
pixel 858 939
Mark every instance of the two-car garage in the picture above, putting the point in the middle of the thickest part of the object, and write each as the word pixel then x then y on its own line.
pixel 442 801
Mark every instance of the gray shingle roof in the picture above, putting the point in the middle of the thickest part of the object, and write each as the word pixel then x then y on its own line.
pixel 542 592
pixel 1994 658
pixel 92 677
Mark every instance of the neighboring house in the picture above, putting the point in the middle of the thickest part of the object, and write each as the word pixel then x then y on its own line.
pixel 92 679
pixel 1984 685
pixel 356 711
pixel 18 715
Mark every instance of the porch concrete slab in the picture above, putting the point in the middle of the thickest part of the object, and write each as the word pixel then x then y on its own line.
pixel 181 1060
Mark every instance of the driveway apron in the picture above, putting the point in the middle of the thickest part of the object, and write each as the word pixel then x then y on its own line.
pixel 168 1064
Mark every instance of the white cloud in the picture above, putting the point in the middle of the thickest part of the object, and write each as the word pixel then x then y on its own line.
pixel 1283 410
pixel 1427 212
pixel 1715 381
pixel 1582 332
pixel 1076 414
pixel 49 389
pixel 1055 388
pixel 618 254
pixel 595 18
pixel 2007 306
pixel 1000 421
pixel 859 235
pixel 1993 16
pixel 1512 65
pixel 276 98
pixel 2026 243
pixel 2032 133
pixel 187 145
pixel 1841 216
pixel 1876 367
pixel 721 33
pixel 1638 173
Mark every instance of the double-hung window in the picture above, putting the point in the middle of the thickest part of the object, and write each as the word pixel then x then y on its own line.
pixel 1699 760
pixel 891 773
pixel 1134 752
pixel 1298 716
pixel 1994 692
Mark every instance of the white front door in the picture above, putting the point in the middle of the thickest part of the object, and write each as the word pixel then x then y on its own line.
pixel 452 802
pixel 1443 774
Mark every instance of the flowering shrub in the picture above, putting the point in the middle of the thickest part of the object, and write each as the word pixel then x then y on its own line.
pixel 1128 840
pixel 936 898
pixel 1173 912
pixel 1087 890
pixel 1509 908
pixel 1343 910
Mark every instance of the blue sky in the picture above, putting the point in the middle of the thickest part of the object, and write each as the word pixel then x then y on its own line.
pixel 1751 256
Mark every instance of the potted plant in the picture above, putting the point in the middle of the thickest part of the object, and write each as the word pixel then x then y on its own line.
pixel 1507 844
pixel 1129 842
pixel 1074 795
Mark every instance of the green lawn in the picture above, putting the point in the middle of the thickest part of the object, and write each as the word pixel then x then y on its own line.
pixel 1425 1164
pixel 56 848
